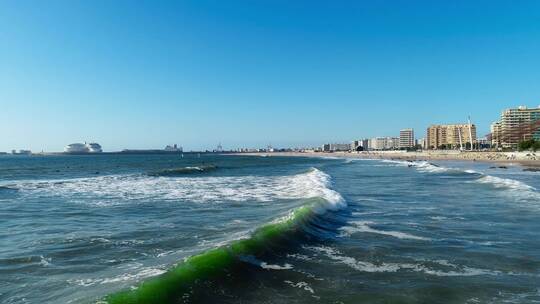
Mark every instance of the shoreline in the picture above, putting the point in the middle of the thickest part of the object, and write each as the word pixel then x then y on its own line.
pixel 525 159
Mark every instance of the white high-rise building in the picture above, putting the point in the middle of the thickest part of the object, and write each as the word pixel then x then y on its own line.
pixel 406 138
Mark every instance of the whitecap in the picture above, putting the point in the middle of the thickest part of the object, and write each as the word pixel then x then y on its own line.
pixel 44 261
pixel 112 190
pixel 363 227
pixel 499 182
pixel 142 273
pixel 254 261
pixel 302 285
pixel 516 189
pixel 264 265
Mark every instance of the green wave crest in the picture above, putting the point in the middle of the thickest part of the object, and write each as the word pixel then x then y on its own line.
pixel 170 286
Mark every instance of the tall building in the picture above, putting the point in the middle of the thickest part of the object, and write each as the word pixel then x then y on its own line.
pixel 515 126
pixel 451 136
pixel 406 138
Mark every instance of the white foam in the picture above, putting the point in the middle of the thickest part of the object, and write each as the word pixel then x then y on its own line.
pixel 125 277
pixel 264 265
pixel 121 189
pixel 499 182
pixel 452 270
pixel 421 166
pixel 300 257
pixel 363 227
pixel 516 189
pixel 254 261
pixel 438 218
pixel 302 285
pixel 395 162
pixel 143 273
pixel 367 213
pixel 335 255
pixel 424 166
pixel 44 261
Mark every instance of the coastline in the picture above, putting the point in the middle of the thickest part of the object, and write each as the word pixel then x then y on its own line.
pixel 525 159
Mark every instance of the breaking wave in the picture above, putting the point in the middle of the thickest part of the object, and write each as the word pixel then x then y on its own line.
pixel 421 166
pixel 505 183
pixel 124 189
pixel 318 198
pixel 513 188
pixel 518 189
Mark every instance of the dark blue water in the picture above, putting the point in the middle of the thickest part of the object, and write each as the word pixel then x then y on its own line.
pixel 76 228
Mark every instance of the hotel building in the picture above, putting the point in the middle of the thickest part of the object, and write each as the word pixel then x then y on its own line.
pixel 515 126
pixel 450 136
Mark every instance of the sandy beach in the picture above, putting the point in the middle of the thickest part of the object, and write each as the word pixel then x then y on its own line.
pixel 527 159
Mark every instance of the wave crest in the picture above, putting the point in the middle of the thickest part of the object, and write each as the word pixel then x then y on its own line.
pixel 124 189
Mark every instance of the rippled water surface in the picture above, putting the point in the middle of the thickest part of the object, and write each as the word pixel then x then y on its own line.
pixel 78 229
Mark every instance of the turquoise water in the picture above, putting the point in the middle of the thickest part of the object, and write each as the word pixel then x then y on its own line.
pixel 242 229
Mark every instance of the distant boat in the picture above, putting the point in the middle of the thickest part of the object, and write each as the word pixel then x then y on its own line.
pixel 21 152
pixel 83 148
pixel 94 148
pixel 76 148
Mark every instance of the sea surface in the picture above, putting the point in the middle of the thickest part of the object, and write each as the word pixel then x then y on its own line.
pixel 248 229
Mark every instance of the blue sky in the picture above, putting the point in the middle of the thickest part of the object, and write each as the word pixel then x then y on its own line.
pixel 143 74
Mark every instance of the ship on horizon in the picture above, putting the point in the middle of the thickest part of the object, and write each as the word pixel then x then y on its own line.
pixel 79 148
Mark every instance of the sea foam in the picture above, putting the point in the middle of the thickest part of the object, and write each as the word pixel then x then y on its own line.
pixel 125 189
pixel 364 227
pixel 440 268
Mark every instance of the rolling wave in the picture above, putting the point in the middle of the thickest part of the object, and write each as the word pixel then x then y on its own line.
pixel 170 286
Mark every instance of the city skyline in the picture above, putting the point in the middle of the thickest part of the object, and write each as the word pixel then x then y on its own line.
pixel 141 76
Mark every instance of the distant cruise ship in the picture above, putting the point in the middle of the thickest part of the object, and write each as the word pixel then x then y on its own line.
pixel 83 148
pixel 94 148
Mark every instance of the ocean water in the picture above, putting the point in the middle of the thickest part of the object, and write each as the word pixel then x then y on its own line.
pixel 247 229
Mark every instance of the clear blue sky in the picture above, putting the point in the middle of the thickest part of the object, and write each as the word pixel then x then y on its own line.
pixel 143 74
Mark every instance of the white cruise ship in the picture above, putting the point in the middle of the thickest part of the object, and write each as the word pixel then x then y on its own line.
pixel 94 148
pixel 83 148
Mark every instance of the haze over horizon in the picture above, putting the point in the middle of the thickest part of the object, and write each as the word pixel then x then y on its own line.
pixel 245 73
